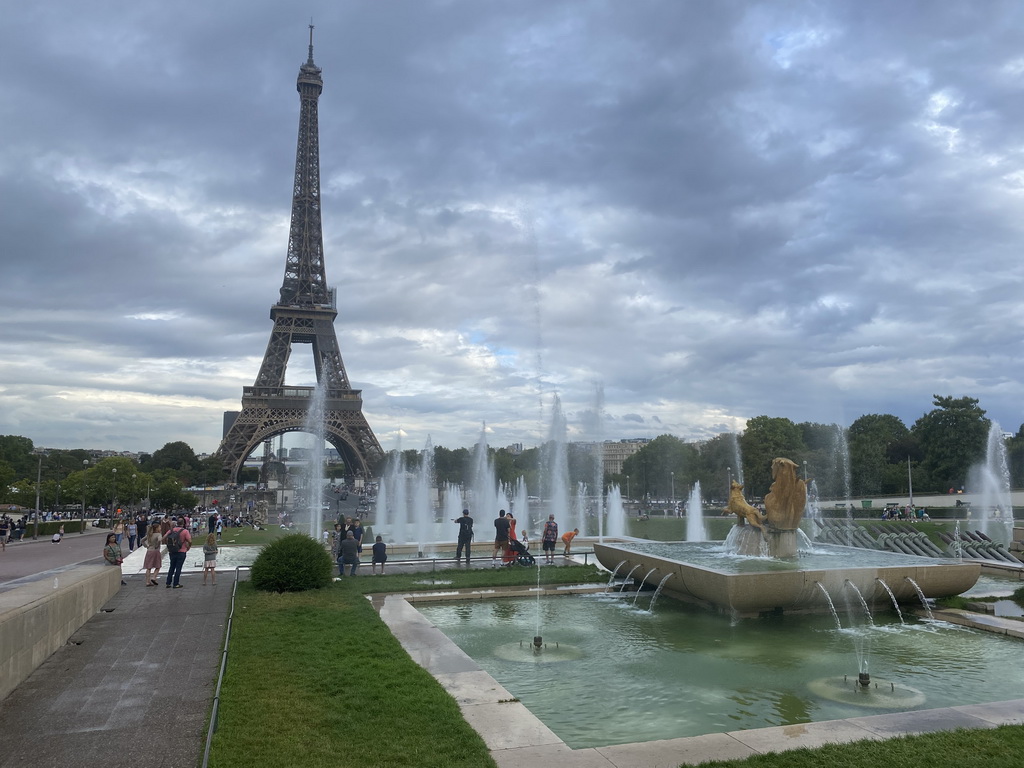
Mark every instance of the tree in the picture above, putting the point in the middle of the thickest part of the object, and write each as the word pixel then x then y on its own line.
pixel 765 439
pixel 16 452
pixel 450 465
pixel 1015 457
pixel 953 437
pixel 874 438
pixel 177 456
pixel 717 462
pixel 662 466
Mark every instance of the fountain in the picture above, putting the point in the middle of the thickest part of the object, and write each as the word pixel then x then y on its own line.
pixel 314 473
pixel 695 530
pixel 768 567
pixel 635 675
pixel 992 508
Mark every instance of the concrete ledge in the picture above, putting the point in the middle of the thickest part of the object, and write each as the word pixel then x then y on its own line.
pixel 38 618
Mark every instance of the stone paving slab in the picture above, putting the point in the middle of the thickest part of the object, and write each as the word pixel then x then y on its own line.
pixel 997 712
pixel 132 687
pixel 670 753
pixel 812 735
pixel 552 755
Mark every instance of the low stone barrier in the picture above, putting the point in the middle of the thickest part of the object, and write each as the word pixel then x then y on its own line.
pixel 39 617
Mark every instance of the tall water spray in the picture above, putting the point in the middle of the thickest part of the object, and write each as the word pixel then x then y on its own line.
pixel 406 500
pixel 841 474
pixel 598 483
pixel 314 479
pixel 555 472
pixel 486 496
pixel 422 507
pixel 695 530
pixel 737 457
pixel 453 505
pixel 616 527
pixel 992 507
pixel 520 504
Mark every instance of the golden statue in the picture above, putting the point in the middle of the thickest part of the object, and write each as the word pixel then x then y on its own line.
pixel 785 502
pixel 739 507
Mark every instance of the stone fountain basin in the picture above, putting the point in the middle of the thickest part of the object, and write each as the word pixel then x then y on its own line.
pixel 751 586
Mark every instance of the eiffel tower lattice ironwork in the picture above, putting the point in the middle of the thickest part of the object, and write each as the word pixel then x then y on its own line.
pixel 304 314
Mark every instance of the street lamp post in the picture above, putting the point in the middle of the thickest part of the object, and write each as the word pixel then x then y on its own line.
pixel 85 466
pixel 627 488
pixel 728 481
pixel 133 494
pixel 39 479
pixel 805 470
pixel 113 492
pixel 673 486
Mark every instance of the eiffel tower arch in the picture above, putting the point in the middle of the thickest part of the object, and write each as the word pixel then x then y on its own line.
pixel 304 314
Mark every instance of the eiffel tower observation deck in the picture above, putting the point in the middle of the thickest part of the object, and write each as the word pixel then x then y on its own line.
pixel 304 314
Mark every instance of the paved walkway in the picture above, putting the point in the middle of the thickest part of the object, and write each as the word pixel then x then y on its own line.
pixel 132 687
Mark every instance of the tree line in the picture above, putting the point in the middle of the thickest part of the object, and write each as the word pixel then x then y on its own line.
pixel 876 455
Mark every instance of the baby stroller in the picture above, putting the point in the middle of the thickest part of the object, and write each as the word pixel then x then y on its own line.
pixel 518 553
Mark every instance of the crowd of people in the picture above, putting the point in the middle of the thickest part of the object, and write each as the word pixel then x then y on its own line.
pixel 511 545
pixel 178 534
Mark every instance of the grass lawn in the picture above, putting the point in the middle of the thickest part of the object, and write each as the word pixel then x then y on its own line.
pixel 246 536
pixel 996 748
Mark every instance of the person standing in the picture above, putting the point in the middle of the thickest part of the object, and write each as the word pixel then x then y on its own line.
pixel 336 537
pixel 357 532
pixel 548 539
pixel 501 528
pixel 178 541
pixel 509 556
pixel 5 531
pixel 118 530
pixel 348 554
pixel 210 558
pixel 153 558
pixel 143 526
pixel 133 534
pixel 465 536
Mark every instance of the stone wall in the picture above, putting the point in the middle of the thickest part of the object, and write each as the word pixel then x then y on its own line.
pixel 39 617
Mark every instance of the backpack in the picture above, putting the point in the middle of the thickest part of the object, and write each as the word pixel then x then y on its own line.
pixel 174 540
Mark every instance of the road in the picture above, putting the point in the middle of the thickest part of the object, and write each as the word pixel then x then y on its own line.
pixel 25 559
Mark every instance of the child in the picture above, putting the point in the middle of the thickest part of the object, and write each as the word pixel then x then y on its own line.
pixel 210 558
pixel 380 555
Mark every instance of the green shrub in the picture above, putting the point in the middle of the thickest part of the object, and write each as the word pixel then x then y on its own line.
pixel 293 563
pixel 1018 596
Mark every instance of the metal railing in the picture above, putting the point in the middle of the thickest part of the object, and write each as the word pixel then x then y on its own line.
pixel 223 666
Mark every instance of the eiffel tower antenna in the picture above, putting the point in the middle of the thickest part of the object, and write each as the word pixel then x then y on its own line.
pixel 304 314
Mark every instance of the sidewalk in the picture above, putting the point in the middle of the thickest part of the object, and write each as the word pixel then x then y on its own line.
pixel 131 688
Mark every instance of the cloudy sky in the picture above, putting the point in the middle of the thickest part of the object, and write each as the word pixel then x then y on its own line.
pixel 676 215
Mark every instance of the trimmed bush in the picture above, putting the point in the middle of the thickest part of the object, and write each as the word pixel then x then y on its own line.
pixel 293 563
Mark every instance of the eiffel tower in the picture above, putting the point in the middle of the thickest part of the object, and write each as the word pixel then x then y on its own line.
pixel 304 315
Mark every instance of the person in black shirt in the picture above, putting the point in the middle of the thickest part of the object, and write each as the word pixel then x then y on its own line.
pixel 465 535
pixel 501 528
